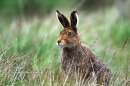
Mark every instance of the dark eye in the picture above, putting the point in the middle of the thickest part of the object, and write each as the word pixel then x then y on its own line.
pixel 69 33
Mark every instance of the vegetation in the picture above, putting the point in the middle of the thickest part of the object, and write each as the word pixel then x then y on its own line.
pixel 29 55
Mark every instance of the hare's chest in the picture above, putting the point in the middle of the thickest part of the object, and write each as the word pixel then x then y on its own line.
pixel 69 63
pixel 73 63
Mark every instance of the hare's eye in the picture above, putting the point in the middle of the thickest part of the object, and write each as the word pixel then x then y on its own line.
pixel 69 33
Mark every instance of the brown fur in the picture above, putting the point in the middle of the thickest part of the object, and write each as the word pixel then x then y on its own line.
pixel 78 59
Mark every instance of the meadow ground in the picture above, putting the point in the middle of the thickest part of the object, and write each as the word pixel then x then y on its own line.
pixel 29 55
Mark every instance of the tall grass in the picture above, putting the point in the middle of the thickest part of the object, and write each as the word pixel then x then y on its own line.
pixel 30 57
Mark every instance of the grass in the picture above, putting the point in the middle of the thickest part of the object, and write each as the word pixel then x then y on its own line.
pixel 29 55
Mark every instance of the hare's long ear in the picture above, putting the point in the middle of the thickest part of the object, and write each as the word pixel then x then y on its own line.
pixel 74 20
pixel 63 20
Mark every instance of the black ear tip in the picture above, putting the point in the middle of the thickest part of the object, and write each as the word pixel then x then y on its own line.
pixel 74 12
pixel 58 11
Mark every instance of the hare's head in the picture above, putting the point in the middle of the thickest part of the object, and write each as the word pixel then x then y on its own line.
pixel 68 36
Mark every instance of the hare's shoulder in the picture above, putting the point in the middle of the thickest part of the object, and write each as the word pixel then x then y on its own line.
pixel 85 46
pixel 93 56
pixel 87 50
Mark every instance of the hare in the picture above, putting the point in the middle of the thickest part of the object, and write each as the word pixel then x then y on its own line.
pixel 77 59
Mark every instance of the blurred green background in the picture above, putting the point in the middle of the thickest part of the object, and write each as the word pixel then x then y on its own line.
pixel 29 30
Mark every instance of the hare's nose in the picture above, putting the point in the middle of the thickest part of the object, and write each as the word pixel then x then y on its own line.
pixel 58 41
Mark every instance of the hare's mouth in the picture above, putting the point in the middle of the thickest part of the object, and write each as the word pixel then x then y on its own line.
pixel 61 45
pixel 64 46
